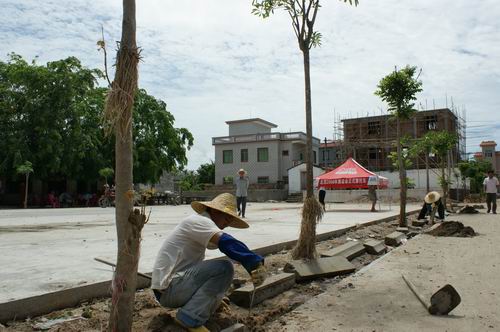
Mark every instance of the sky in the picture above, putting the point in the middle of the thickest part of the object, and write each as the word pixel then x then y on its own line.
pixel 212 60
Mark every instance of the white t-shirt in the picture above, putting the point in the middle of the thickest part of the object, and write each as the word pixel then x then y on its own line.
pixel 183 248
pixel 491 185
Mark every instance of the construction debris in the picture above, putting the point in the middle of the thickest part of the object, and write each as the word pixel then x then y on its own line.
pixel 271 287
pixel 452 228
pixel 319 268
pixel 395 239
pixel 48 324
pixel 402 230
pixel 348 250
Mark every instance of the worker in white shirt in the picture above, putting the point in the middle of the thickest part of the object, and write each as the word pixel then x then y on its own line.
pixel 490 188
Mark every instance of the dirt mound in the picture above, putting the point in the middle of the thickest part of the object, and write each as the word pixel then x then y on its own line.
pixel 468 210
pixel 453 228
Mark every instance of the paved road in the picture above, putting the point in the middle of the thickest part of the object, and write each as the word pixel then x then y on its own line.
pixel 44 250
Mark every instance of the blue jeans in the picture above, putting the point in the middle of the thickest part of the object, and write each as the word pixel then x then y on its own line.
pixel 198 291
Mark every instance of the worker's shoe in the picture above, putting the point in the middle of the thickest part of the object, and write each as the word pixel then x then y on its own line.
pixel 192 329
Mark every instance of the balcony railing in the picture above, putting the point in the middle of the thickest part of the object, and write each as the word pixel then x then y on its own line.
pixel 295 136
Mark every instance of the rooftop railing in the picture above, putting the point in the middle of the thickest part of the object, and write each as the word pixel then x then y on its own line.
pixel 294 136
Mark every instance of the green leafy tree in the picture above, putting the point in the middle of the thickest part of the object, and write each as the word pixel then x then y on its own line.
pixel 398 90
pixel 475 171
pixel 206 173
pixel 303 15
pixel 25 168
pixel 158 146
pixel 44 116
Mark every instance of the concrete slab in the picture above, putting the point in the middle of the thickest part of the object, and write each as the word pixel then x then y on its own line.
pixel 319 268
pixel 271 287
pixel 49 250
pixel 394 239
pixel 381 301
pixel 402 230
pixel 348 250
pixel 419 222
pixel 375 247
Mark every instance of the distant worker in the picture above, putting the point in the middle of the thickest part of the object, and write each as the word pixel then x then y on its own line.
pixel 321 196
pixel 432 201
pixel 372 196
pixel 182 279
pixel 242 184
pixel 490 188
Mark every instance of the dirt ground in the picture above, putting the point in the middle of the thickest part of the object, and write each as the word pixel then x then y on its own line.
pixel 149 316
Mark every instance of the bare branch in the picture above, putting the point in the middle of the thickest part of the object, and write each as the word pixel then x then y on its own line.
pixel 102 46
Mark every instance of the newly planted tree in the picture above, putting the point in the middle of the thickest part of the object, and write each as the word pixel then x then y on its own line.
pixel 440 143
pixel 129 222
pixel 398 90
pixel 303 15
pixel 26 168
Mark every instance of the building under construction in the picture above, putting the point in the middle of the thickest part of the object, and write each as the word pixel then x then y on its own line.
pixel 370 139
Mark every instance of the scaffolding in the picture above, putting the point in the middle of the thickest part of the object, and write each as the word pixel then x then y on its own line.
pixel 371 139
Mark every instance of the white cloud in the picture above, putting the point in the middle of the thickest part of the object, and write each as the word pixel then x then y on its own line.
pixel 213 61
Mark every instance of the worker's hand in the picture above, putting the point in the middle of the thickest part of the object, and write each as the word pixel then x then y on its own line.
pixel 258 275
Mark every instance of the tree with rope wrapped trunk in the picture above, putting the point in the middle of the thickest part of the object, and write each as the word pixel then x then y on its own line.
pixel 303 15
pixel 129 222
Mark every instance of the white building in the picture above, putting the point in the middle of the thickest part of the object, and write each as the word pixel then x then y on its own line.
pixel 264 154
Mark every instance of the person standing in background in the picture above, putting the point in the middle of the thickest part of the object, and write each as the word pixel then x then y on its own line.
pixel 490 188
pixel 242 184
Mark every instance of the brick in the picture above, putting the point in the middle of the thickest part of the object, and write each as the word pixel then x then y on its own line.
pixel 402 230
pixel 236 328
pixel 394 239
pixel 320 268
pixel 375 247
pixel 349 250
pixel 271 287
pixel 419 222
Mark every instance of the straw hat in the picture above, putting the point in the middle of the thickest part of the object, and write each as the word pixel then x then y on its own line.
pixel 242 171
pixel 225 203
pixel 432 197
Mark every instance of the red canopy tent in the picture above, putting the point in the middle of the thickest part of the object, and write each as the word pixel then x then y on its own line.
pixel 350 175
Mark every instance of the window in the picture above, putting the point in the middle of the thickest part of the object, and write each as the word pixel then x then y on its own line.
pixel 314 157
pixel 263 179
pixel 372 154
pixel 227 156
pixel 285 153
pixel 326 155
pixel 285 179
pixel 227 180
pixel 301 157
pixel 262 154
pixel 431 122
pixel 488 154
pixel 374 128
pixel 244 155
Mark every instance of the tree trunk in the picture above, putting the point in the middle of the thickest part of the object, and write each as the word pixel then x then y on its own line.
pixel 402 178
pixel 26 191
pixel 129 223
pixel 312 212
pixel 444 183
pixel 427 184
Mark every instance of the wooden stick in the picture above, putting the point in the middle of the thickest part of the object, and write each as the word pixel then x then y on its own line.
pixel 114 265
pixel 414 290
